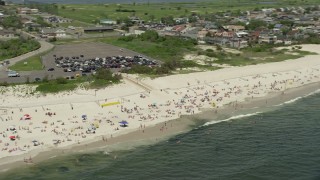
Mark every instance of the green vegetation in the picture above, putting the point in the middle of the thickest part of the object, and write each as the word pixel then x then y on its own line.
pixel 17 47
pixel 74 24
pixel 312 39
pixel 30 64
pixel 42 22
pixel 56 86
pixel 170 50
pixel 11 22
pixel 151 44
pixel 257 55
pixel 90 13
pixel 254 24
pixel 102 79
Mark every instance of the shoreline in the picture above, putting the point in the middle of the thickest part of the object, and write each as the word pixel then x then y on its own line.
pixel 85 120
pixel 137 138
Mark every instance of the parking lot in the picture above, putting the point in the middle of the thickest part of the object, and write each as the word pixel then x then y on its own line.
pixel 75 53
pixel 69 54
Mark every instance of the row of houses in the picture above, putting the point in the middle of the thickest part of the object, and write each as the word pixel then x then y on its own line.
pixel 282 25
pixel 62 32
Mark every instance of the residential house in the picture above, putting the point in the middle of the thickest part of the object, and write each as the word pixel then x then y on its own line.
pixel 108 22
pixel 181 20
pixel 295 34
pixel 222 38
pixel 238 43
pixel 234 28
pixel 191 32
pixel 266 37
pixel 202 34
pixel 7 34
pixel 210 26
pixel 135 30
pixel 53 32
pixel 253 37
pixel 99 29
pixel 277 28
pixel 136 20
pixel 55 19
pixel 26 10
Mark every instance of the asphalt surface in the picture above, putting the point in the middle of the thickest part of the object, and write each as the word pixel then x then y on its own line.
pixel 88 50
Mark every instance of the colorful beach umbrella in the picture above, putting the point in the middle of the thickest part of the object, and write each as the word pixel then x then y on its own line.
pixel 123 122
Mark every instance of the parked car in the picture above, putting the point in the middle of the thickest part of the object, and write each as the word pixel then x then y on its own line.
pixel 13 74
pixel 37 79
pixel 51 69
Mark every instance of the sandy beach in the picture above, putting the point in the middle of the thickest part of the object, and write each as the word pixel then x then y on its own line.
pixel 36 126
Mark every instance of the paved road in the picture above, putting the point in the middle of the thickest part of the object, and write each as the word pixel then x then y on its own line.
pixel 45 46
pixel 90 50
pixel 32 75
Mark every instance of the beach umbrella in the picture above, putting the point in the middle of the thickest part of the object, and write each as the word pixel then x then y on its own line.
pixel 27 116
pixel 12 128
pixel 12 137
pixel 123 122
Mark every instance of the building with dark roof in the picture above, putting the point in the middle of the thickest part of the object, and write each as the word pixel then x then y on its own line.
pixel 99 29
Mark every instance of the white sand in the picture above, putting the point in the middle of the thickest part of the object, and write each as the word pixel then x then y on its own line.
pixel 160 100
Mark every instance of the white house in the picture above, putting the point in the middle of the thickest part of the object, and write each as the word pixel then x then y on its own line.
pixel 53 32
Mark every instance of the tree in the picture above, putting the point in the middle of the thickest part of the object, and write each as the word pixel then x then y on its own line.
pixel 12 21
pixel 42 22
pixel 149 35
pixel 193 19
pixel 168 20
pixel 285 31
pixel 254 24
pixel 104 74
pixel 219 48
pixel 287 23
pixel 151 17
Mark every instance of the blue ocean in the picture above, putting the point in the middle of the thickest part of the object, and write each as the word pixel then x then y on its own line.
pixel 283 143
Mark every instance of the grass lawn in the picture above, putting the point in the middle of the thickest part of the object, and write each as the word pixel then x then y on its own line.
pixel 160 51
pixel 75 23
pixel 91 13
pixel 30 64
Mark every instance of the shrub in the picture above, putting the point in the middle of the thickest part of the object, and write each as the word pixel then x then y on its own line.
pixel 61 80
pixel 141 69
pixel 127 38
pixel 5 83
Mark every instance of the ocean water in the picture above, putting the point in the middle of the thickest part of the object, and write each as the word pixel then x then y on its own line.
pixel 280 144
